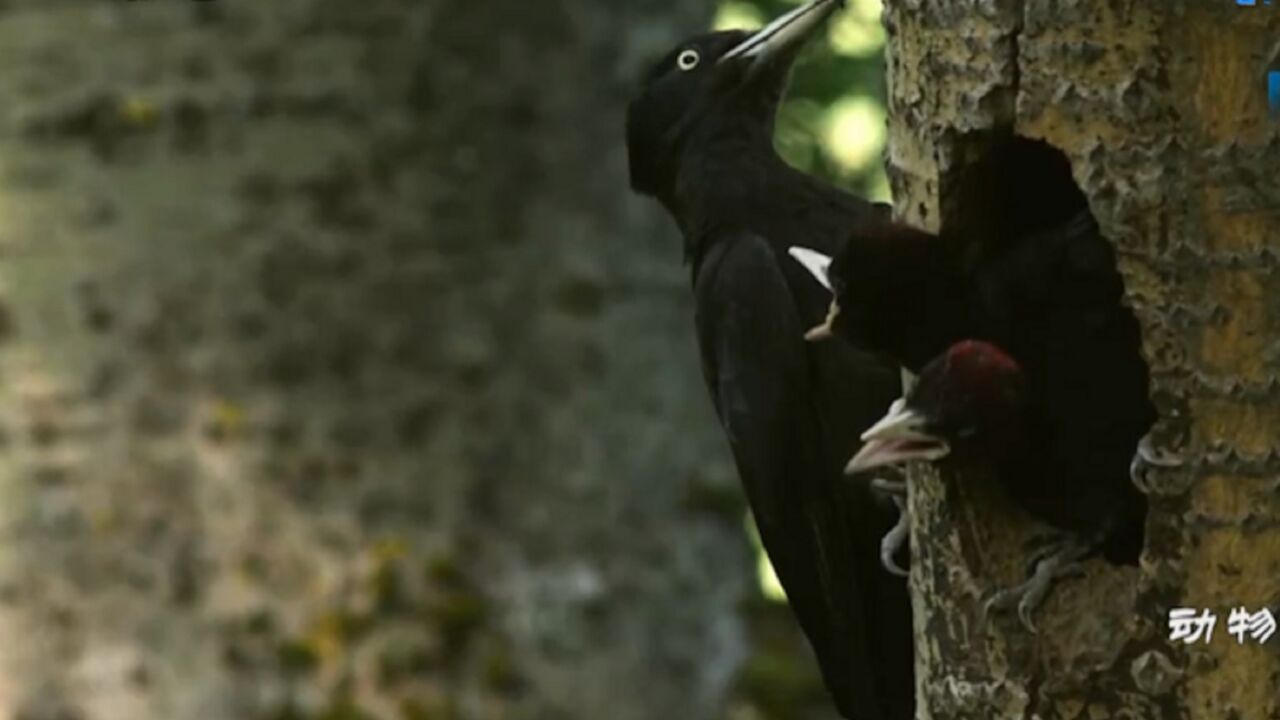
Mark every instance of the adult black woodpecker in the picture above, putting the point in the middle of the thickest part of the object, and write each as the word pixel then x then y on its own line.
pixel 1044 290
pixel 700 141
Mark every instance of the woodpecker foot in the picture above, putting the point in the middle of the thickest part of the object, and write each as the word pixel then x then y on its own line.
pixel 1052 562
pixel 1147 457
pixel 896 538
pixel 893 488
pixel 898 534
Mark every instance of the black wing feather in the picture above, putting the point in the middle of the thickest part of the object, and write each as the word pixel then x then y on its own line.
pixel 1055 301
pixel 790 410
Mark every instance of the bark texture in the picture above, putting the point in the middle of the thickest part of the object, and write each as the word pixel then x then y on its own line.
pixel 1161 108
pixel 342 379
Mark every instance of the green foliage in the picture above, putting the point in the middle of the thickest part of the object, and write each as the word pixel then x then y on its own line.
pixel 779 683
pixel 832 123
pixel 819 129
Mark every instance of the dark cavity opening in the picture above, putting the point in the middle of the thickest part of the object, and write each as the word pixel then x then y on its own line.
pixel 1010 186
pixel 1005 189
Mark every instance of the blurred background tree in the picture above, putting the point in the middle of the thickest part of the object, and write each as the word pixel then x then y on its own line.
pixel 833 121
pixel 344 379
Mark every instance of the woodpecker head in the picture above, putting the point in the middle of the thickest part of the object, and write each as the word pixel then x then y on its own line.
pixel 717 84
pixel 966 406
pixel 892 292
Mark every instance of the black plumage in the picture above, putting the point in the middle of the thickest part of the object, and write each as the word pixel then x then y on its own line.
pixel 700 140
pixel 1054 303
pixel 900 293
pixel 1041 285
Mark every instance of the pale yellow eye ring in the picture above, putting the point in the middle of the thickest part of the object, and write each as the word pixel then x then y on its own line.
pixel 688 60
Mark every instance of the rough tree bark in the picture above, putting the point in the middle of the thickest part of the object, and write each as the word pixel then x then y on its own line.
pixel 1160 106
pixel 340 379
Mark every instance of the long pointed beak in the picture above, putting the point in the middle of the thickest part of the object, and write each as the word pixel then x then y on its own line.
pixel 783 35
pixel 896 438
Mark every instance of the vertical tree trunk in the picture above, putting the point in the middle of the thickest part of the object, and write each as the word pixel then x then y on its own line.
pixel 340 380
pixel 1161 108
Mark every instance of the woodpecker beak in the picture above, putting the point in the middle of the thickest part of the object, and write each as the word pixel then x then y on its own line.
pixel 896 438
pixel 783 37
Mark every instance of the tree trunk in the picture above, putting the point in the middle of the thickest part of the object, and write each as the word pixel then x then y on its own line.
pixel 340 379
pixel 1161 109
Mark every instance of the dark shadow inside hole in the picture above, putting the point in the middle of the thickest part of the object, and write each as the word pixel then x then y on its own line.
pixel 1008 192
pixel 1011 187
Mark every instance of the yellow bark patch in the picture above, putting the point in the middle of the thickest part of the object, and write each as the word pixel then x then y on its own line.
pixel 1241 232
pixel 1228 568
pixel 1250 429
pixel 1229 85
pixel 1242 681
pixel 1227 499
pixel 1237 345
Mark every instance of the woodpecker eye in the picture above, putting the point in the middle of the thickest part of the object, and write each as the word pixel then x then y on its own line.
pixel 688 60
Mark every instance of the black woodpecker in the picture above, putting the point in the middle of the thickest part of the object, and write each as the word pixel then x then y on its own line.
pixel 700 141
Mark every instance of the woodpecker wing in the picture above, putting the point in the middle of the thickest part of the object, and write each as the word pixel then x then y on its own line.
pixel 786 407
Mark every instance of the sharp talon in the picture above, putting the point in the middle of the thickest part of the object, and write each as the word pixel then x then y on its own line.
pixel 892 566
pixel 1147 456
pixel 996 601
pixel 894 539
pixel 896 488
pixel 1136 475
pixel 986 609
pixel 1153 457
pixel 1056 561
pixel 1042 549
pixel 1034 596
pixel 819 333
pixel 1024 614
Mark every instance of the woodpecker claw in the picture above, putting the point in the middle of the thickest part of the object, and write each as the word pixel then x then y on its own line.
pixel 892 488
pixel 819 332
pixel 1147 456
pixel 897 535
pixel 1056 561
pixel 1042 547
